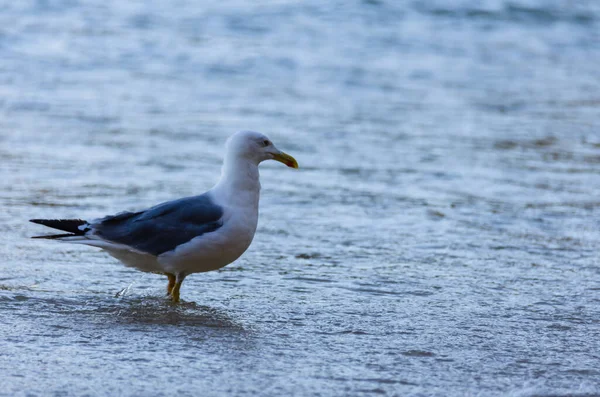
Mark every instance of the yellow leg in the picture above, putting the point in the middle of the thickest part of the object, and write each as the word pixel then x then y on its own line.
pixel 171 284
pixel 175 291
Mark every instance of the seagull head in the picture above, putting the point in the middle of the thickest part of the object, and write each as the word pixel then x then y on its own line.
pixel 257 147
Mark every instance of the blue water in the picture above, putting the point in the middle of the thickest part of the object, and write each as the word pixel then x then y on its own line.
pixel 440 238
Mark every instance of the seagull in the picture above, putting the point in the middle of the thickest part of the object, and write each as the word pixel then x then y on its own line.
pixel 192 234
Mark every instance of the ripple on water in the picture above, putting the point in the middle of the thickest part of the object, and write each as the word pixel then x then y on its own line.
pixel 440 237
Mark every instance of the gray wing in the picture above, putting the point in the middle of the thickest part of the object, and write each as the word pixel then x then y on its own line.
pixel 162 228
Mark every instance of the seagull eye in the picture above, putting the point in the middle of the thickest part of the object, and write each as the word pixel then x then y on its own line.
pixel 266 142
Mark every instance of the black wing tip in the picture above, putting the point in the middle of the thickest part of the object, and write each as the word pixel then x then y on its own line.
pixel 44 221
pixel 55 236
pixel 67 225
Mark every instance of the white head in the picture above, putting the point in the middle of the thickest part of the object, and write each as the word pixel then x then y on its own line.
pixel 256 147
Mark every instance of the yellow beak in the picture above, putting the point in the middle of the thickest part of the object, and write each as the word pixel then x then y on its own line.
pixel 285 159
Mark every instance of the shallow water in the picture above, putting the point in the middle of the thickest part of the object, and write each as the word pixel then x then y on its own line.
pixel 440 237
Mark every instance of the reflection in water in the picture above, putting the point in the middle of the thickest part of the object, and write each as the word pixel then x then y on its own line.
pixel 138 310
pixel 162 312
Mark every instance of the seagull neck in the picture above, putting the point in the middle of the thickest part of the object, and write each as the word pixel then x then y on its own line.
pixel 239 184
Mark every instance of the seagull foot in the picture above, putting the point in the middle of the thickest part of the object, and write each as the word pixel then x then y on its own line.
pixel 175 292
pixel 177 287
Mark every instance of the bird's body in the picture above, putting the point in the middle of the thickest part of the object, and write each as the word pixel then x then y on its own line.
pixel 189 235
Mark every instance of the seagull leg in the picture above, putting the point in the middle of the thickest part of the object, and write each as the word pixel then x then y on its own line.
pixel 176 287
pixel 171 283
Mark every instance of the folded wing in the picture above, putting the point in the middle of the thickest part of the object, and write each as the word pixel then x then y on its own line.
pixel 161 228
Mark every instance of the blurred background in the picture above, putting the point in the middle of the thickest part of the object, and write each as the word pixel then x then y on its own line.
pixel 439 238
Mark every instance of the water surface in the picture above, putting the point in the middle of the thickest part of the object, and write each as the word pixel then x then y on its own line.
pixel 440 237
